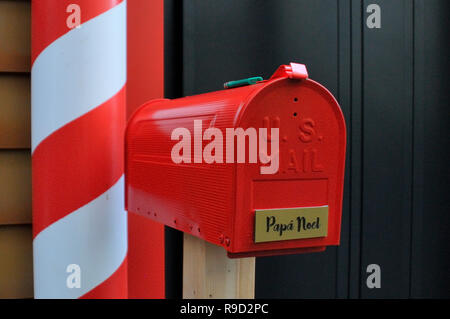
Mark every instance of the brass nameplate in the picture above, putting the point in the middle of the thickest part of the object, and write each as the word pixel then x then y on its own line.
pixel 290 223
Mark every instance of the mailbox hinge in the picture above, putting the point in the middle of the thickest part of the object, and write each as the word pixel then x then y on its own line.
pixel 292 71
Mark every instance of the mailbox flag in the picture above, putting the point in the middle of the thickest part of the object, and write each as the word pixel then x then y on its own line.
pixel 78 118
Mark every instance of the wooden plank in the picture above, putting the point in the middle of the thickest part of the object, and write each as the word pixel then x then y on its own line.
pixel 15 36
pixel 16 262
pixel 15 187
pixel 209 274
pixel 15 110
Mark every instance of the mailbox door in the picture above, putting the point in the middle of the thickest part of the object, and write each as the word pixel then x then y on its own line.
pixel 309 180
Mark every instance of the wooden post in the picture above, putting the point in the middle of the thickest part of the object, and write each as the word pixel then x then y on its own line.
pixel 209 274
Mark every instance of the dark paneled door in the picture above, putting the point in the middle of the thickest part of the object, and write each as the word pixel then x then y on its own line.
pixel 392 84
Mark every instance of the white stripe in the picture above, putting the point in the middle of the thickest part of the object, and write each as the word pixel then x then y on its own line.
pixel 93 237
pixel 78 72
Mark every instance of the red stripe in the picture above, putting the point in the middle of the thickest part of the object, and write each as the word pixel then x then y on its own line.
pixel 49 19
pixel 78 162
pixel 146 275
pixel 145 57
pixel 115 287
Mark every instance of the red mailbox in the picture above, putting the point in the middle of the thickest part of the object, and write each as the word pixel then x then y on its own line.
pixel 192 164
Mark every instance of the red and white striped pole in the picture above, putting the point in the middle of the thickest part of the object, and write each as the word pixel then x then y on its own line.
pixel 78 120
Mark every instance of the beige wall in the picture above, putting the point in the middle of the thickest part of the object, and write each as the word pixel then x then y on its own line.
pixel 16 273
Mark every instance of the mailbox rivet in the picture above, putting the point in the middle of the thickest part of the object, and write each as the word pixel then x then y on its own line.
pixel 174 221
pixel 227 241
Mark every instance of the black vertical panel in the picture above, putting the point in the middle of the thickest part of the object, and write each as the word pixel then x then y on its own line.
pixel 226 40
pixel 344 98
pixel 173 60
pixel 173 49
pixel 355 130
pixel 387 148
pixel 430 262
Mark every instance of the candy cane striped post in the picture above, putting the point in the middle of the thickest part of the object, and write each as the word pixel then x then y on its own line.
pixel 78 120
